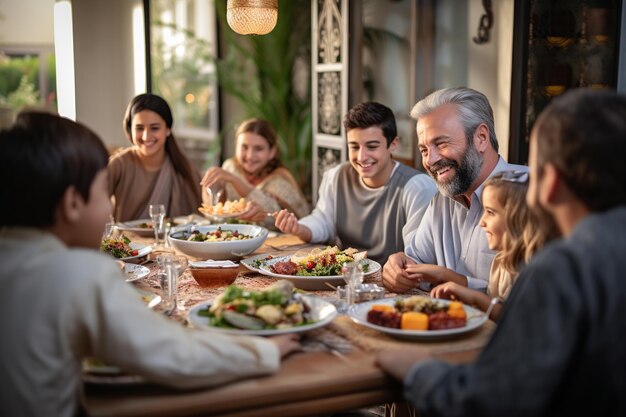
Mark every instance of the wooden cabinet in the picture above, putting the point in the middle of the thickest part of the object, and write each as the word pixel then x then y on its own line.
pixel 559 45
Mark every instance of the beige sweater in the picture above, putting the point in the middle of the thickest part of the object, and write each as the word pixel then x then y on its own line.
pixel 133 188
pixel 277 191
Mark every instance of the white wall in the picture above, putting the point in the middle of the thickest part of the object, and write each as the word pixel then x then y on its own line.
pixel 102 54
pixel 489 64
pixel 103 57
pixel 26 22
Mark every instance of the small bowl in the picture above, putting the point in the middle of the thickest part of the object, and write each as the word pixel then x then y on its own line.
pixel 214 277
pixel 364 292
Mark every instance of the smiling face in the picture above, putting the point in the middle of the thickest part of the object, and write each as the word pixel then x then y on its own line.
pixel 253 152
pixel 446 155
pixel 493 218
pixel 149 133
pixel 369 155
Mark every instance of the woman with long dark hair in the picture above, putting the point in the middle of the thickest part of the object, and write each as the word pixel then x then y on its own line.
pixel 154 170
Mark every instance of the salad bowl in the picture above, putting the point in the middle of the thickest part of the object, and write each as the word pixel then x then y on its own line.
pixel 251 237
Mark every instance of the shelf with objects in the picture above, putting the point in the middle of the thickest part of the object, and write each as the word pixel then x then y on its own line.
pixel 559 45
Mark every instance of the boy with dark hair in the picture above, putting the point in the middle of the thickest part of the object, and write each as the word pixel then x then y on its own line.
pixel 559 348
pixel 61 300
pixel 370 202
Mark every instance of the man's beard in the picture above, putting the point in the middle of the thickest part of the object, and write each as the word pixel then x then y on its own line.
pixel 465 173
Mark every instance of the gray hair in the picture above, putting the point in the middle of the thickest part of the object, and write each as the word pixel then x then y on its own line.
pixel 473 108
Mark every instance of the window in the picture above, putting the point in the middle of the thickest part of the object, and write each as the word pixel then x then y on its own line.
pixel 27 79
pixel 183 44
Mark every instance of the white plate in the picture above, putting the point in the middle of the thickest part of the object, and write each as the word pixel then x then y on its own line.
pixel 322 312
pixel 142 249
pixel 221 217
pixel 314 282
pixel 248 262
pixel 134 272
pixel 133 227
pixel 358 313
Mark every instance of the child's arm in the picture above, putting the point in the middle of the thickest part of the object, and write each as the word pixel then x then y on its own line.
pixel 435 274
pixel 478 299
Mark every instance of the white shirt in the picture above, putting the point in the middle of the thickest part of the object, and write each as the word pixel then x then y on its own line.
pixel 449 235
pixel 59 305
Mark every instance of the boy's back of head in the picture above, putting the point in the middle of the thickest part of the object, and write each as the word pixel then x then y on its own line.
pixel 583 134
pixel 42 155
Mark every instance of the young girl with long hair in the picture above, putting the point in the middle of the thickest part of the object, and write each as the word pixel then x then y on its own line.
pixel 513 230
pixel 257 174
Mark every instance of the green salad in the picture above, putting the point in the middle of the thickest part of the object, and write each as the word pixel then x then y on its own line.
pixel 277 307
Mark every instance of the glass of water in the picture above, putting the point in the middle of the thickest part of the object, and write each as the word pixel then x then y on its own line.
pixel 171 267
pixel 353 276
pixel 157 214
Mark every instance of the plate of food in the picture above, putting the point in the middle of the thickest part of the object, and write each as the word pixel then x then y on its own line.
pixel 223 211
pixel 276 310
pixel 253 263
pixel 418 317
pixel 133 272
pixel 311 270
pixel 141 227
pixel 124 249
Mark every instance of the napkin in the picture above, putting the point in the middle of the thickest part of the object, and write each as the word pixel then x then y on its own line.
pixel 210 263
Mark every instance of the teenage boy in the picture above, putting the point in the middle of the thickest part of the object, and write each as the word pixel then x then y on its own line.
pixel 370 202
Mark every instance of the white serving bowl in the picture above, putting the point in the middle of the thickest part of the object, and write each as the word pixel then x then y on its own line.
pixel 219 250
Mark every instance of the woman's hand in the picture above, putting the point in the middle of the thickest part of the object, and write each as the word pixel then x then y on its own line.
pixel 217 175
pixel 253 213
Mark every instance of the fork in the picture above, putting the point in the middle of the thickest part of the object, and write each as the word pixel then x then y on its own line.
pixel 328 348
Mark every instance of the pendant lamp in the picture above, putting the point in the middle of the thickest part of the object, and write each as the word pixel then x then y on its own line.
pixel 252 17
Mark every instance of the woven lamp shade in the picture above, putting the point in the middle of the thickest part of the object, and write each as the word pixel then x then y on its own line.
pixel 252 17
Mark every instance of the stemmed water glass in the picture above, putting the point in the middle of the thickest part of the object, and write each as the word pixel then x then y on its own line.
pixel 157 214
pixel 171 267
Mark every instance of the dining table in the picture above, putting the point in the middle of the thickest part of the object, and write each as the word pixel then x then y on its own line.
pixel 334 371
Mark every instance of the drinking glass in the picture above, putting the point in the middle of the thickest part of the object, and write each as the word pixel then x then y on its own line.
pixel 171 267
pixel 353 276
pixel 157 214
pixel 109 228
